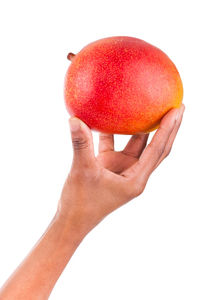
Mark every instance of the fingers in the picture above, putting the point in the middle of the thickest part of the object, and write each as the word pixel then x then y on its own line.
pixel 154 151
pixel 136 145
pixel 82 142
pixel 172 136
pixel 106 142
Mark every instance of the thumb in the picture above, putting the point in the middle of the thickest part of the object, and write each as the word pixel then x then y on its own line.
pixel 82 142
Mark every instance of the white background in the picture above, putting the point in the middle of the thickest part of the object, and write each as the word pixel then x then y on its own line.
pixel 148 249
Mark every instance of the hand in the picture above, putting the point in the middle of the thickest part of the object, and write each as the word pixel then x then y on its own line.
pixel 98 185
pixel 95 187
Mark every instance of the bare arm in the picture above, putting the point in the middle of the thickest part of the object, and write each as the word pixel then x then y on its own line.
pixel 95 187
pixel 38 273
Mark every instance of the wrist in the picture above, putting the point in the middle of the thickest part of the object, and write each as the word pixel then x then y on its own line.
pixel 69 228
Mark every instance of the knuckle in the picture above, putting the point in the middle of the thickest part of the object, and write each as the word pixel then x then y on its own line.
pixel 79 143
pixel 135 188
pixel 138 187
pixel 168 151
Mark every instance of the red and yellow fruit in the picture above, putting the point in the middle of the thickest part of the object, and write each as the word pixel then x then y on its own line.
pixel 121 85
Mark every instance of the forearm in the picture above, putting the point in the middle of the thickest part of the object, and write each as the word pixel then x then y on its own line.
pixel 38 273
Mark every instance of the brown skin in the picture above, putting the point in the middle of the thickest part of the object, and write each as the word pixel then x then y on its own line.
pixel 95 187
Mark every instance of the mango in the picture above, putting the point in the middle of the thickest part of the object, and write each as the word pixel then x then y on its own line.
pixel 121 85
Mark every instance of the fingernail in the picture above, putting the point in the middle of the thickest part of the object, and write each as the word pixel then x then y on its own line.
pixel 74 124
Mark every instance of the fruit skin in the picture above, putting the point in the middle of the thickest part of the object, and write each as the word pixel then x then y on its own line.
pixel 122 85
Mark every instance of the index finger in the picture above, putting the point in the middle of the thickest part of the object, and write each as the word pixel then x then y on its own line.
pixel 153 152
pixel 106 142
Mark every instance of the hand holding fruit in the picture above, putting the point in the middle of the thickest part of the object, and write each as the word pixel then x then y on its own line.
pixel 98 185
pixel 115 85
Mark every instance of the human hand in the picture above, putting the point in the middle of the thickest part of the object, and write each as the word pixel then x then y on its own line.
pixel 96 186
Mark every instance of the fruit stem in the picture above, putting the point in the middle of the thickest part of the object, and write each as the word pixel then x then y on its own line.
pixel 70 56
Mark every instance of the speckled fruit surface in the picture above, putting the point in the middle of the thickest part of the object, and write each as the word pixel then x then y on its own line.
pixel 121 85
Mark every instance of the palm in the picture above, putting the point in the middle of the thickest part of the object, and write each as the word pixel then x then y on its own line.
pixel 118 162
